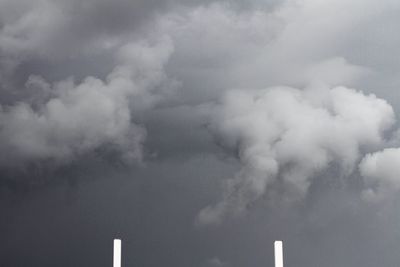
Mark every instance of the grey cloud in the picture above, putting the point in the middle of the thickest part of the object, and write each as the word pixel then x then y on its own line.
pixel 285 136
pixel 255 50
pixel 380 170
pixel 69 32
pixel 68 119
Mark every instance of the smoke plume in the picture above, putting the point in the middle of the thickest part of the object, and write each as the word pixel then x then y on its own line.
pixel 285 136
pixel 66 119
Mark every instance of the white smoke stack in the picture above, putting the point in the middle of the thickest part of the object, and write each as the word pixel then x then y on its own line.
pixel 278 254
pixel 117 253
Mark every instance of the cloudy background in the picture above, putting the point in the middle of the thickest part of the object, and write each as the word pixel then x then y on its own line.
pixel 199 132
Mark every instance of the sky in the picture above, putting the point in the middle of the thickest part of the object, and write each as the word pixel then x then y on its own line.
pixel 199 132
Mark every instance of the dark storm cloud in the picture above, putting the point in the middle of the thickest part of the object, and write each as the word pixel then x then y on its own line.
pixel 199 132
pixel 63 38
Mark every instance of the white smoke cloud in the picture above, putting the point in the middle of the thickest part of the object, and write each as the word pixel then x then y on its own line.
pixel 284 136
pixel 66 119
pixel 381 174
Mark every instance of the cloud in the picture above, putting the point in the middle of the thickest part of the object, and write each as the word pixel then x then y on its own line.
pixel 285 136
pixel 67 119
pixel 260 48
pixel 381 174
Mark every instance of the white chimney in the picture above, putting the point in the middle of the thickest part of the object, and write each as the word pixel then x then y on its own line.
pixel 117 253
pixel 278 254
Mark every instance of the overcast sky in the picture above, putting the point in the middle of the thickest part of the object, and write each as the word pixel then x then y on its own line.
pixel 199 132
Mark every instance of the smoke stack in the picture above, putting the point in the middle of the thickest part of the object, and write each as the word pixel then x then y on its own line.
pixel 117 253
pixel 278 254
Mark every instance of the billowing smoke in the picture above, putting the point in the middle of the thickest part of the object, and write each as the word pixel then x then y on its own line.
pixel 66 119
pixel 381 173
pixel 284 136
